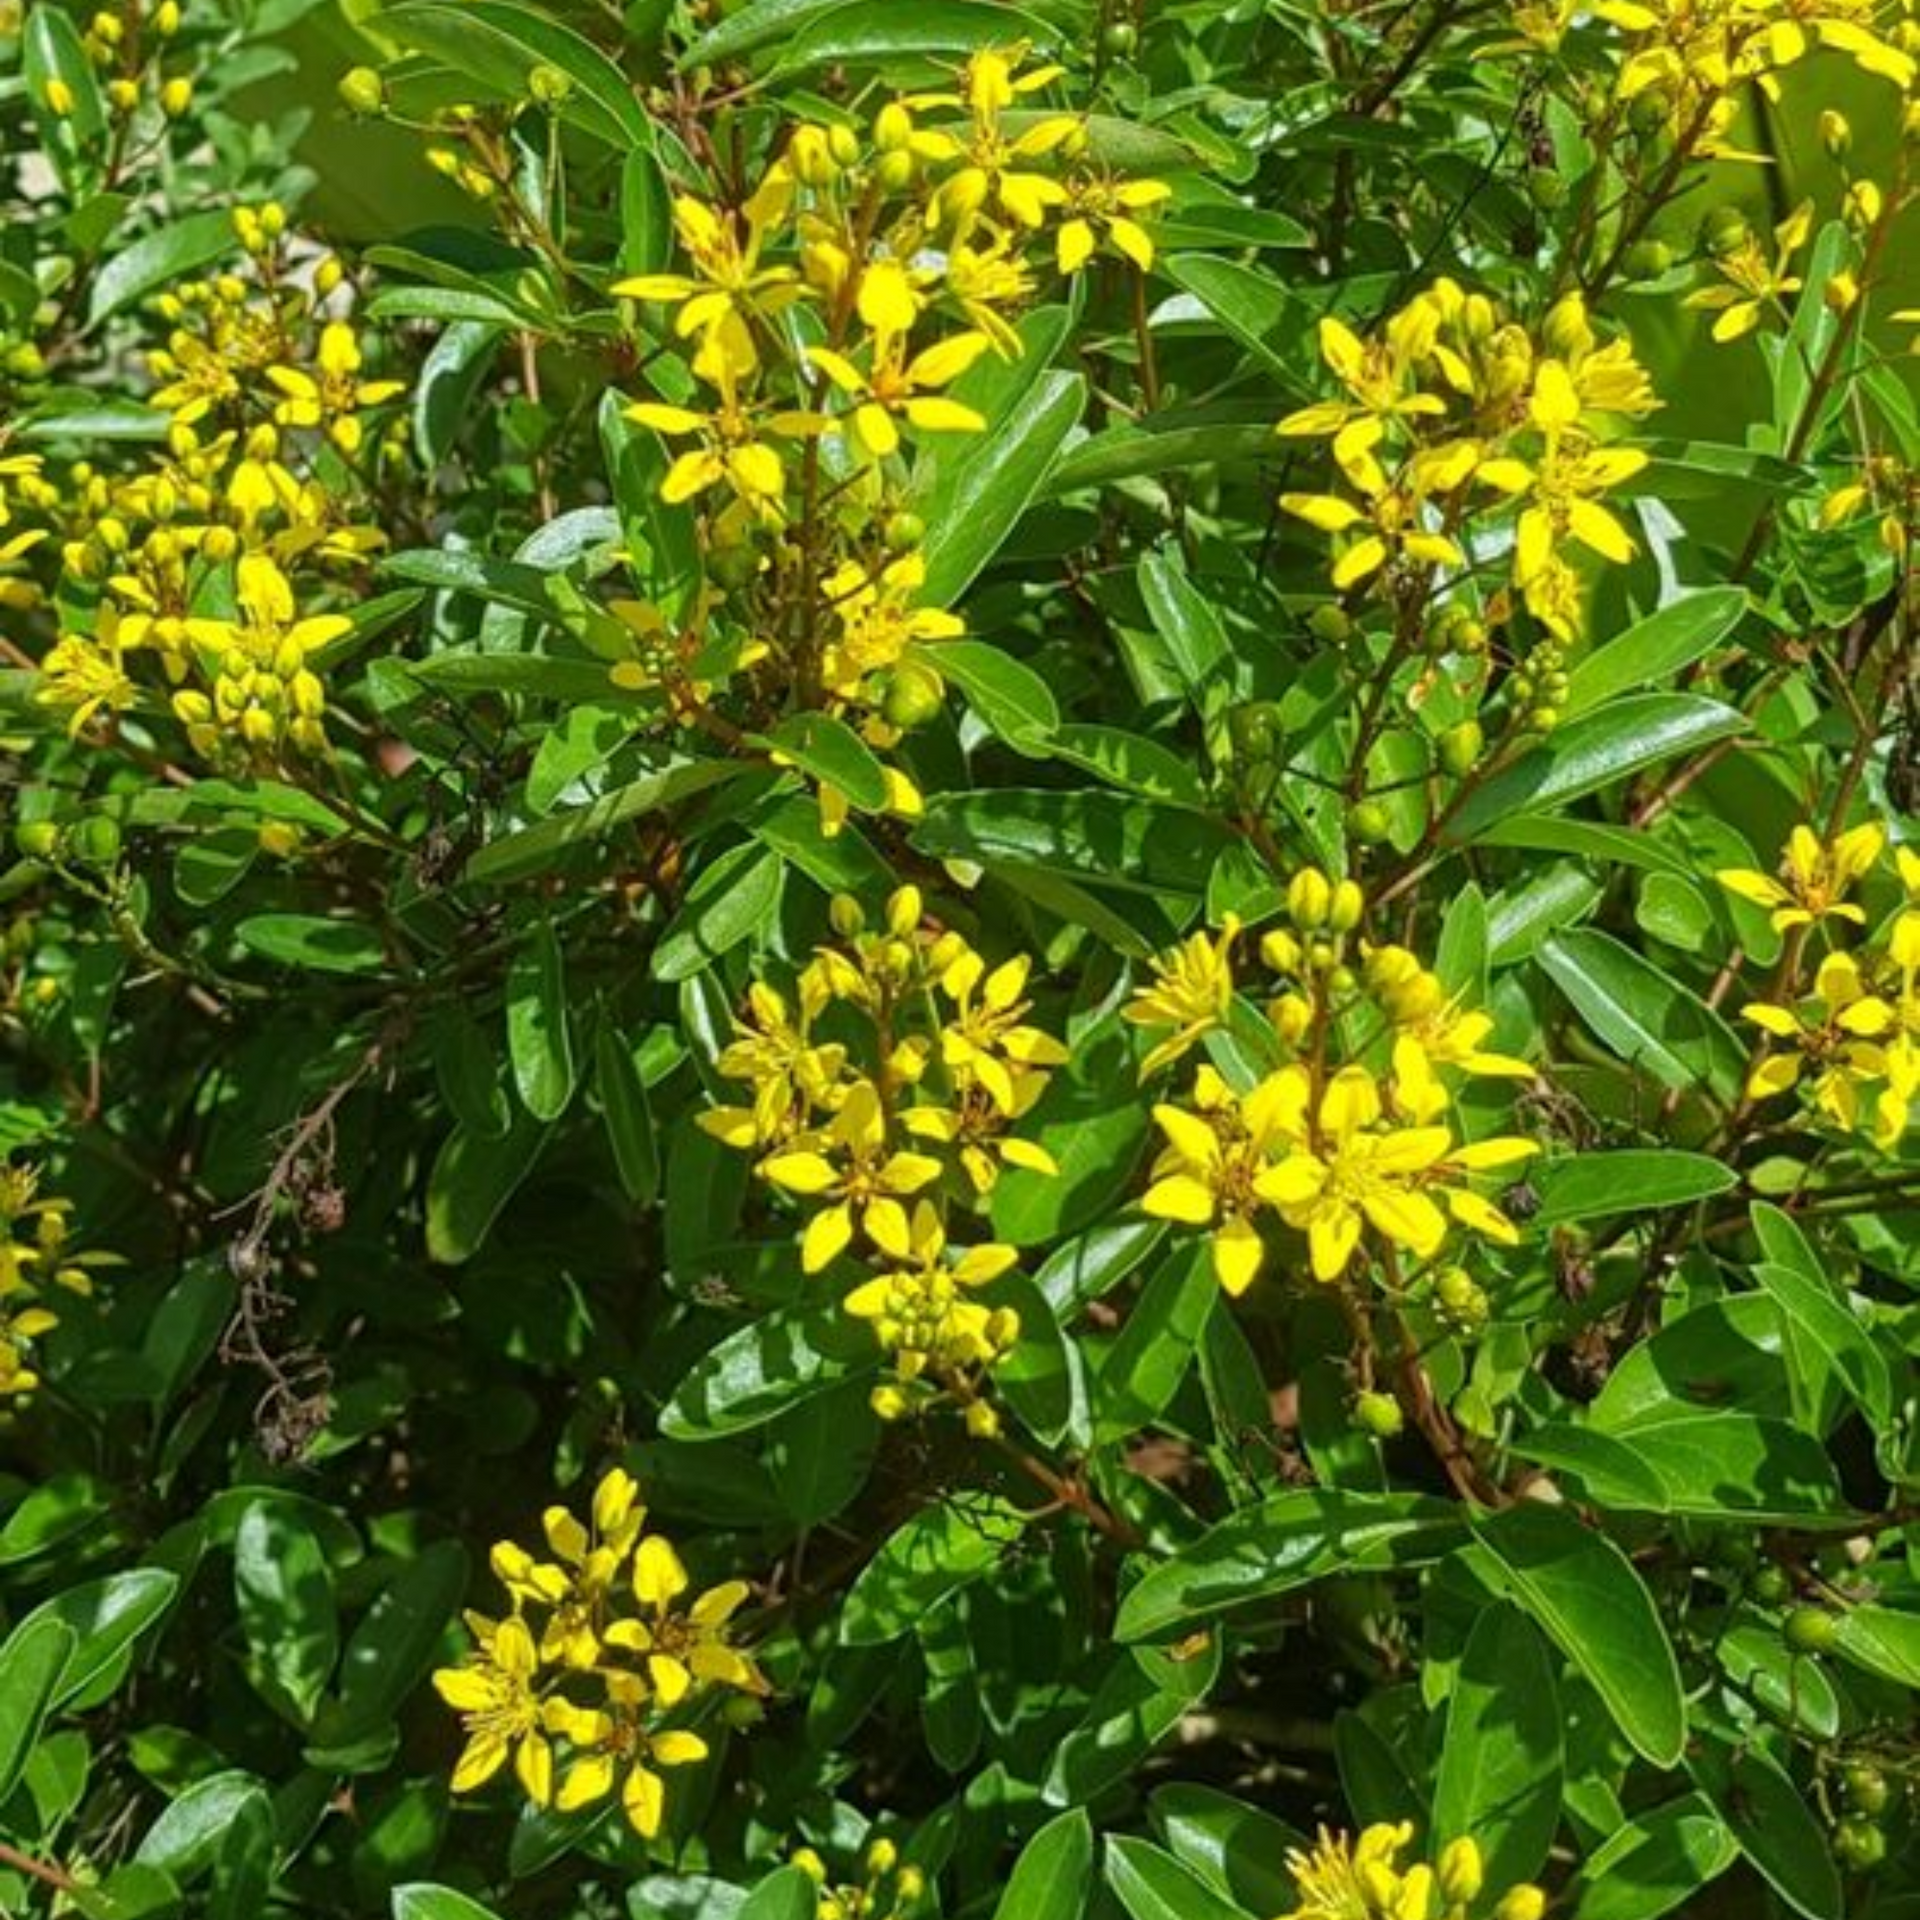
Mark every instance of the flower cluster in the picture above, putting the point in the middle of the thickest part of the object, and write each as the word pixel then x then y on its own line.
pixel 35 1230
pixel 822 328
pixel 587 1686
pixel 886 1889
pixel 887 1091
pixel 1332 1115
pixel 1454 417
pixel 188 577
pixel 1343 1878
pixel 1848 1038
pixel 124 48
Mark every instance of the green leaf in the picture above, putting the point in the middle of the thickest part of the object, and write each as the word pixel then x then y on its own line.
pixel 312 942
pixel 497 44
pixel 1819 1332
pixel 51 50
pixel 1285 1542
pixel 1583 1591
pixel 1883 1641
pixel 539 1033
pixel 285 1596
pixel 32 1661
pixel 733 899
pixel 1054 1873
pixel 1655 1863
pixel 1136 1707
pixel 1588 1186
pixel 1256 309
pixel 1130 761
pixel 756 25
pixel 586 738
pixel 872 32
pixel 764 1369
pixel 1239 1850
pixel 186 1838
pixel 105 1617
pixel 1598 750
pixel 1006 693
pixel 1770 1821
pixel 1185 620
pixel 534 849
pixel 834 755
pixel 629 1116
pixel 1170 442
pixel 785 1894
pixel 449 377
pixel 168 253
pixel 1646 1017
pixel 1683 631
pixel 926 1561
pixel 391 1649
pixel 422 1901
pixel 474 1175
pixel 1138 845
pixel 981 490
pixel 1502 1764
pixel 1153 1885
pixel 1143 1369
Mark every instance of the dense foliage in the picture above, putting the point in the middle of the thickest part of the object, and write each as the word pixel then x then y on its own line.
pixel 959 959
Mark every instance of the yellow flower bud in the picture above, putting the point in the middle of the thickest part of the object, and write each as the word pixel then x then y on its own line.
pixel 843 144
pixel 1567 331
pixel 1836 134
pixel 1863 203
pixel 59 98
pixel 1462 1873
pixel 1523 1903
pixel 882 1857
pixel 176 96
pixel 328 275
pixel 166 19
pixel 889 1402
pixel 1309 898
pixel 1841 292
pixel 892 127
pixel 911 1884
pixel 280 838
pixel 123 95
pixel 811 1865
pixel 1348 905
pixel 982 1422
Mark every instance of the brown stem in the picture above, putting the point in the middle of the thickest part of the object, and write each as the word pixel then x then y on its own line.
pixel 41 1870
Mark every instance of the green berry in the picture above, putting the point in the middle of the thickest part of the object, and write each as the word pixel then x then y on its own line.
pixel 1723 231
pixel 1648 259
pixel 1462 746
pixel 362 91
pixel 903 532
pixel 1378 1414
pixel 914 697
pixel 1546 188
pixel 1859 1844
pixel 1331 624
pixel 1810 1630
pixel 96 840
pixel 37 839
pixel 1866 1788
pixel 1771 1585
pixel 1371 822
pixel 1120 39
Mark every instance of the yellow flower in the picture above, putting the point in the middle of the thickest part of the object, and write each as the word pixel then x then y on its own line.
pixel 264 691
pixel 615 1747
pixel 994 174
pixel 984 1041
pixel 333 394
pixel 1350 1168
pixel 1098 206
pixel 729 289
pixel 898 390
pixel 986 283
pixel 682 1650
pixel 1447 1034
pixel 495 1694
pixel 735 446
pixel 1838 1045
pixel 918 1305
pixel 852 1167
pixel 87 673
pixel 773 1050
pixel 1192 992
pixel 1753 285
pixel 878 623
pixel 578 1587
pixel 1396 523
pixel 1216 1165
pixel 1817 877
pixel 1381 377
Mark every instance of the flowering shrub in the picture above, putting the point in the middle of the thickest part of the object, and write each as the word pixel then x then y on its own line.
pixel 959 959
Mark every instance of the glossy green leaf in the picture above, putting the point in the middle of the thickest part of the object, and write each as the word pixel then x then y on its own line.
pixel 1656 648
pixel 732 901
pixel 420 1901
pixel 629 1116
pixel 1142 1370
pixel 1583 1592
pixel 1153 1885
pixel 1054 1873
pixel 172 252
pixel 873 32
pixel 313 943
pixel 105 1618
pixel 1286 1541
pixel 539 1030
pixel 1655 1863
pixel 1503 1759
pixel 1006 693
pixel 943 1548
pixel 1644 1015
pixel 1598 750
pixel 834 755
pixel 1590 1186
pixel 285 1594
pixel 33 1659
pixel 765 1368
pixel 1771 1823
